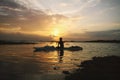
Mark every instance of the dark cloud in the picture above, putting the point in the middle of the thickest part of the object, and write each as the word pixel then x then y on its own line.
pixel 21 37
pixel 105 35
pixel 111 2
pixel 16 15
pixel 96 35
pixel 19 16
pixel 9 3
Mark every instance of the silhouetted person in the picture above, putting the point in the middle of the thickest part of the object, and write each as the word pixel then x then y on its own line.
pixel 61 44
pixel 60 49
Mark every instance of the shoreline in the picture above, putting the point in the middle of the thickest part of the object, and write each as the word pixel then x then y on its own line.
pixel 99 68
pixel 19 42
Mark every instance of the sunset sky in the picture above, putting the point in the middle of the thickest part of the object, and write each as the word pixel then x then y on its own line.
pixel 51 19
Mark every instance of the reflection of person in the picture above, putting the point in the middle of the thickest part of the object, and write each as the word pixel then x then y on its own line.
pixel 60 44
pixel 61 54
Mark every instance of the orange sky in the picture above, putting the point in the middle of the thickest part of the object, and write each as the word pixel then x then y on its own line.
pixel 51 19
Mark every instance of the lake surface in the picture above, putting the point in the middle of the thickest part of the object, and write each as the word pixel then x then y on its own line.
pixel 20 62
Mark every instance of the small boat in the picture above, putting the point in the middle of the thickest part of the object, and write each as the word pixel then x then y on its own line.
pixel 52 48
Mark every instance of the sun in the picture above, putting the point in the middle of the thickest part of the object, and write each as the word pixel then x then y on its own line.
pixel 56 33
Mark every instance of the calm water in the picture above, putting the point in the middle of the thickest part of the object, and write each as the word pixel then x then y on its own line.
pixel 20 62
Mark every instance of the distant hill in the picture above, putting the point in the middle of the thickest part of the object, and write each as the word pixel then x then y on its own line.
pixel 105 41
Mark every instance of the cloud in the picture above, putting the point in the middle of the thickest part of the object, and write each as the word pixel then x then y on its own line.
pixel 102 26
pixel 10 3
pixel 17 14
pixel 23 22
pixel 111 2
pixel 95 35
pixel 105 35
pixel 18 36
pixel 88 3
pixel 64 4
pixel 40 17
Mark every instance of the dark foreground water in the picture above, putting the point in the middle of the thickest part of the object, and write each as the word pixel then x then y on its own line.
pixel 20 62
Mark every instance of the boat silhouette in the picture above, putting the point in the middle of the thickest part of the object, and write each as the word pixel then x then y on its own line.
pixel 52 48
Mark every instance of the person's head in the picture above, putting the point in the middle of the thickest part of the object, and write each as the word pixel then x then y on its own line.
pixel 60 38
